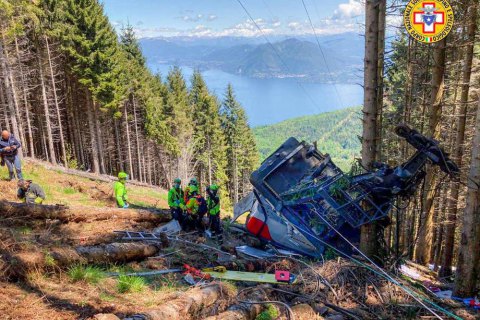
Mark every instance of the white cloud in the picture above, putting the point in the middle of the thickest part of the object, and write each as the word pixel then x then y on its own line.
pixel 351 9
pixel 295 25
pixel 155 32
pixel 192 18
pixel 211 17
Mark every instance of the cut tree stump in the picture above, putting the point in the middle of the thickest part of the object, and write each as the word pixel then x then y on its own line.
pixel 190 304
pixel 64 214
pixel 242 311
pixel 305 312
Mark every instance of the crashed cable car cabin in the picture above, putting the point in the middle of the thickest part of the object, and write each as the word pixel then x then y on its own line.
pixel 301 201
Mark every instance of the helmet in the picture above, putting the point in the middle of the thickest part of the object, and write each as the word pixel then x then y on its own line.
pixel 122 175
pixel 177 181
pixel 22 183
pixel 214 187
pixel 193 182
pixel 192 189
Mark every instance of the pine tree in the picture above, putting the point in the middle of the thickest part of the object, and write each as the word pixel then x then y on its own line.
pixel 209 142
pixel 92 47
pixel 179 120
pixel 242 153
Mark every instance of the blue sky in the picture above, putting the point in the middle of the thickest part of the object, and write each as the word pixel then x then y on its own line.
pixel 213 18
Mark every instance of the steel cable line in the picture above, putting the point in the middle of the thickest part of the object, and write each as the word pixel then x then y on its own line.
pixel 379 270
pixel 323 55
pixel 277 54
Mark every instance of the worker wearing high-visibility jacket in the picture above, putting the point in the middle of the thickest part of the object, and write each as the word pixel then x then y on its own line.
pixel 175 200
pixel 120 190
pixel 192 182
pixel 196 209
pixel 213 205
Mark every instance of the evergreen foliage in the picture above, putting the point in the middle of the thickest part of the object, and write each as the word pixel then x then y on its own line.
pixel 93 102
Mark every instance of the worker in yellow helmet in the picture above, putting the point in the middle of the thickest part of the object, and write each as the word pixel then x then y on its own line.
pixel 213 205
pixel 175 200
pixel 196 209
pixel 120 190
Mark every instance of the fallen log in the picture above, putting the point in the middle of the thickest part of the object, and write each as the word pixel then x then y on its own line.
pixel 305 312
pixel 190 304
pixel 20 264
pixel 83 174
pixel 242 311
pixel 64 214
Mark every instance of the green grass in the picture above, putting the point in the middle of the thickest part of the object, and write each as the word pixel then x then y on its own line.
pixel 69 190
pixel 106 297
pixel 270 313
pixel 89 274
pixel 24 230
pixel 130 284
pixel 49 260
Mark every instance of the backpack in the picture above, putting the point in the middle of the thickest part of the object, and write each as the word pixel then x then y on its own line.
pixel 202 205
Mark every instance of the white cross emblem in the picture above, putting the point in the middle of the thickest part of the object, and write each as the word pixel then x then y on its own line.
pixel 428 17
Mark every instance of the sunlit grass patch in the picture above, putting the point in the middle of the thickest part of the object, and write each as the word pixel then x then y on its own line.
pixel 69 190
pixel 24 230
pixel 130 284
pixel 89 274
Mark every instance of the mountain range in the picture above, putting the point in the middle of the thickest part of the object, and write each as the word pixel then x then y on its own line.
pixel 335 58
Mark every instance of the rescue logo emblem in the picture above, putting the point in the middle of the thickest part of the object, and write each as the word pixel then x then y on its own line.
pixel 428 21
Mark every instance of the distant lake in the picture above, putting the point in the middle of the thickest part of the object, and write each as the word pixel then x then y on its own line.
pixel 268 101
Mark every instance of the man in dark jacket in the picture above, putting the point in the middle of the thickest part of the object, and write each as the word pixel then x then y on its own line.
pixel 9 154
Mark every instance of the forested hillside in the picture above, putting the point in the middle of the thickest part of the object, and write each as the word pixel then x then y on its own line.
pixel 75 93
pixel 336 133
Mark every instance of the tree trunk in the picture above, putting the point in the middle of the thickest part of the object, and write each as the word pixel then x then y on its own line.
pixel 5 112
pixel 235 173
pixel 26 106
pixel 425 239
pixel 62 213
pixel 21 264
pixel 120 162
pixel 191 303
pixel 55 100
pixel 99 139
pixel 369 243
pixel 137 140
pixel 10 92
pixel 452 205
pixel 469 250
pixel 242 311
pixel 91 126
pixel 129 144
pixel 46 110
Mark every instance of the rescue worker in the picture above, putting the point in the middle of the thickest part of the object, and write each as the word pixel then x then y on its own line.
pixel 29 192
pixel 192 182
pixel 196 209
pixel 213 205
pixel 120 190
pixel 9 154
pixel 176 201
